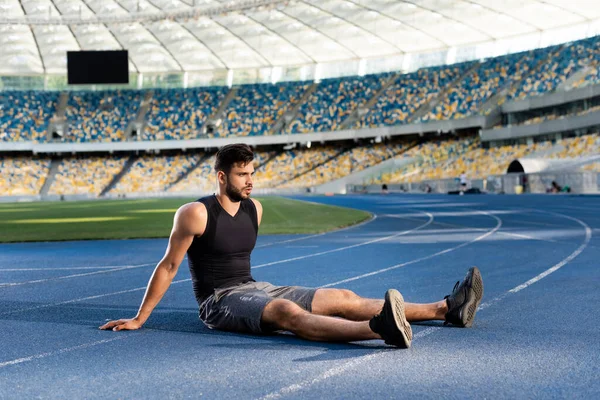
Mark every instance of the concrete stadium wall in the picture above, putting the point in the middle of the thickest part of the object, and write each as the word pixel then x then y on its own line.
pixel 560 125
pixel 552 99
pixel 580 182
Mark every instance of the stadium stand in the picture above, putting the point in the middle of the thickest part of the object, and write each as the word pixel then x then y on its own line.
pixel 86 175
pixel 466 97
pixel 24 115
pixel 177 114
pixel 22 175
pixel 100 116
pixel 255 108
pixel 200 180
pixel 333 101
pixel 595 167
pixel 348 162
pixel 449 159
pixel 181 113
pixel 151 174
pixel 563 62
pixel 429 154
pixel 586 145
pixel 293 163
pixel 408 93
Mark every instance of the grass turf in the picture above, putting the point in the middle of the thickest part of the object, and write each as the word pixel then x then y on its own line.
pixel 152 218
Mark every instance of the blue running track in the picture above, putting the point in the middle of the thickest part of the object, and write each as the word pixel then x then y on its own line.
pixel 536 335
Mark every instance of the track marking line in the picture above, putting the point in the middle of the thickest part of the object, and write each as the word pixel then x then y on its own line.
pixel 188 279
pixel 347 247
pixel 60 268
pixel 428 331
pixel 60 351
pixel 60 303
pixel 373 218
pixel 105 271
pixel 439 253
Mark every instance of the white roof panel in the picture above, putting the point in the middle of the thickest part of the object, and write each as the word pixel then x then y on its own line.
pixel 196 35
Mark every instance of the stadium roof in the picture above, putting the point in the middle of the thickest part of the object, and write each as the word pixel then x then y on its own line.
pixel 194 35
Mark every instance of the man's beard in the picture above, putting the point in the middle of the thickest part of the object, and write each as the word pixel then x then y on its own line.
pixel 234 193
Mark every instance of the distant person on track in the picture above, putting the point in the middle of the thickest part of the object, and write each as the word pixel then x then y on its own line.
pixel 463 181
pixel 219 232
pixel 556 188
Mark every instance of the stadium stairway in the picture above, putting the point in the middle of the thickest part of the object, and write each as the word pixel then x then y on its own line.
pixel 275 154
pixel 361 111
pixel 342 151
pixel 189 171
pixel 429 105
pixel 220 111
pixel 396 161
pixel 290 115
pixel 567 84
pixel 126 167
pixel 365 175
pixel 139 122
pixel 61 106
pixel 54 164
pixel 58 122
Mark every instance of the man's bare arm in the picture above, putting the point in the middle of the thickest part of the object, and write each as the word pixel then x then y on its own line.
pixel 259 210
pixel 189 221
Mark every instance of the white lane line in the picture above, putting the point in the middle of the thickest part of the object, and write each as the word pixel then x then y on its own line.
pixel 187 280
pixel 106 271
pixel 593 210
pixel 326 375
pixel 578 251
pixel 48 354
pixel 428 331
pixel 535 223
pixel 331 372
pixel 439 253
pixel 83 299
pixel 61 351
pixel 60 268
pixel 348 247
pixel 373 218
pixel 519 235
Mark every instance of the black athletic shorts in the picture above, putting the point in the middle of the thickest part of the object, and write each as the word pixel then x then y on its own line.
pixel 239 308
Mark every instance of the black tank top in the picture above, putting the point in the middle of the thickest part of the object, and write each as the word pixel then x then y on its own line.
pixel 221 256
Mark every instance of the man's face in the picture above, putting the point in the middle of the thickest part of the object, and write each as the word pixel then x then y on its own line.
pixel 238 183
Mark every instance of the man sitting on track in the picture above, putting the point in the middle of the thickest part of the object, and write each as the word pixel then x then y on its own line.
pixel 219 233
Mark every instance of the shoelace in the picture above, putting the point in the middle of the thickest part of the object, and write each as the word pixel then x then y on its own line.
pixel 453 290
pixel 455 286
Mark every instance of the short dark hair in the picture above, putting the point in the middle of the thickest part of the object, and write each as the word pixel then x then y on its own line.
pixel 232 154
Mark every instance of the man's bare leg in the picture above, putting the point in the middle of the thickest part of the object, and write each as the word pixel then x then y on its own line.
pixel 347 304
pixel 286 315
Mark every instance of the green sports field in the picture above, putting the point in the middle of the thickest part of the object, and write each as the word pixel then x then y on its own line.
pixel 151 218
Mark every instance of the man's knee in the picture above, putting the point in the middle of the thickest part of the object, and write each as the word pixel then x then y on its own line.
pixel 334 301
pixel 337 294
pixel 348 295
pixel 283 314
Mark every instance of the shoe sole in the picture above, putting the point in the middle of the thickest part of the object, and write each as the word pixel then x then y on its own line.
pixel 476 285
pixel 397 302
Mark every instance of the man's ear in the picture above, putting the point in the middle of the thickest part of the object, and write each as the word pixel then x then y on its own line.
pixel 222 177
